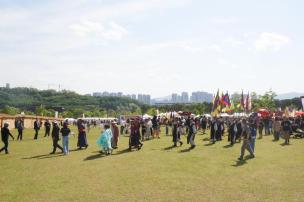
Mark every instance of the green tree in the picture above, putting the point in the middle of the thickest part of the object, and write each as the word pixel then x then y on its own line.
pixel 10 110
pixel 266 101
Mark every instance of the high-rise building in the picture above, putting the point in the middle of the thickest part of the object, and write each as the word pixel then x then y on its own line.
pixel 174 98
pixel 185 97
pixel 7 85
pixel 133 96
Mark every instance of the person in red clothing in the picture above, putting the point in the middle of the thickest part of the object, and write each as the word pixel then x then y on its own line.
pixel 115 132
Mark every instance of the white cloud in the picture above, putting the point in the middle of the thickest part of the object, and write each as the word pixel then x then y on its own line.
pixel 184 45
pixel 107 31
pixel 234 42
pixel 216 48
pixel 271 42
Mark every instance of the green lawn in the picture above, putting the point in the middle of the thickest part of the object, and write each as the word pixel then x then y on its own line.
pixel 155 173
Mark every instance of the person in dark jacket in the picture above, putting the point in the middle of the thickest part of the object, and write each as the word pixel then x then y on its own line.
pixel 19 126
pixel 55 137
pixel 47 126
pixel 232 132
pixel 191 134
pixel 176 133
pixel 247 143
pixel 36 128
pixel 5 133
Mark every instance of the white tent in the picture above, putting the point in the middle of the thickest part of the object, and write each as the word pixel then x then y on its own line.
pixel 224 115
pixel 146 116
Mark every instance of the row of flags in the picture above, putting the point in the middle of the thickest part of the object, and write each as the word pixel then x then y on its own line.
pixel 223 103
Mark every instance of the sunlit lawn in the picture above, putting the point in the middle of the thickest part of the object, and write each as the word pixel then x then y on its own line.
pixel 155 173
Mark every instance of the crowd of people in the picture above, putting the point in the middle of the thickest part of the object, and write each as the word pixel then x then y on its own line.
pixel 140 130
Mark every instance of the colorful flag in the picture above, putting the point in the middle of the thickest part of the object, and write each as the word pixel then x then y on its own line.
pixel 216 104
pixel 242 102
pixel 226 100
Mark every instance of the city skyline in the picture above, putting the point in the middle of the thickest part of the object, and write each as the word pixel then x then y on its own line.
pixel 155 47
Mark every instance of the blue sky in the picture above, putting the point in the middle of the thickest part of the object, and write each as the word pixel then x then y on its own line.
pixel 153 46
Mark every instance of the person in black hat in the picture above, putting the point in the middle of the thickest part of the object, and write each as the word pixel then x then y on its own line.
pixel 5 133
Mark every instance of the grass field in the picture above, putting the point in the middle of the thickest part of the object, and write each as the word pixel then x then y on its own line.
pixel 155 173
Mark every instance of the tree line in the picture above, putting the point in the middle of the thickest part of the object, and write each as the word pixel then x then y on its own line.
pixel 32 101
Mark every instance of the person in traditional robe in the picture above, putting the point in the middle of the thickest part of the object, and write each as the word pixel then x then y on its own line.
pixel 105 140
pixel 134 140
pixel 115 132
pixel 82 136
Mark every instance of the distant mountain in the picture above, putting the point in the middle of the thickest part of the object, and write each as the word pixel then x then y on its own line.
pixel 291 95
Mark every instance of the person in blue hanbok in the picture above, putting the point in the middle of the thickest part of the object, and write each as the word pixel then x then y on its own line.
pixel 105 140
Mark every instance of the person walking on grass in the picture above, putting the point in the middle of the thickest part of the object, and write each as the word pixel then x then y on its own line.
pixel 155 126
pixel 36 128
pixel 5 133
pixel 65 131
pixel 105 140
pixel 277 129
pixel 246 141
pixel 47 126
pixel 261 127
pixel 82 136
pixel 286 129
pixel 176 131
pixel 55 137
pixel 20 128
pixel 115 132
pixel 191 134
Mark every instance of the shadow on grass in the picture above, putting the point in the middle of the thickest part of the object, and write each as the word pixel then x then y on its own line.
pixel 284 144
pixel 227 146
pixel 187 150
pixel 125 151
pixel 95 156
pixel 44 156
pixel 239 163
pixel 169 148
pixel 209 144
pixel 206 139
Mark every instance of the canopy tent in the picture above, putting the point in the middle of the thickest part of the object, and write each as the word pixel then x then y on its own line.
pixel 264 112
pixel 224 115
pixel 299 113
pixel 146 116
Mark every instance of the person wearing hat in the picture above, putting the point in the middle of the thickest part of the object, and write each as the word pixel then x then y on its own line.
pixel 5 133
pixel 55 137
